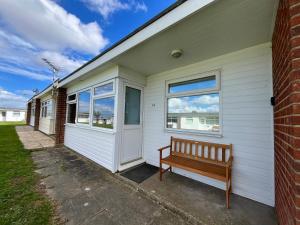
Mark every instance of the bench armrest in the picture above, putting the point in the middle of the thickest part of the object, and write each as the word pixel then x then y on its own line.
pixel 163 148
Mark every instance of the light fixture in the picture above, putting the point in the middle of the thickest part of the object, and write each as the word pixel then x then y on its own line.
pixel 176 53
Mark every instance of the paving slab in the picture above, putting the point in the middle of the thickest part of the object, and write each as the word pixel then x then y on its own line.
pixel 32 139
pixel 86 193
pixel 206 203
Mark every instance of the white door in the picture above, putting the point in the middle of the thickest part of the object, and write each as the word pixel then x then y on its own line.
pixel 131 149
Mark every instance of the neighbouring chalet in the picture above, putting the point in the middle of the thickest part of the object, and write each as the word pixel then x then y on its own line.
pixel 12 114
pixel 201 70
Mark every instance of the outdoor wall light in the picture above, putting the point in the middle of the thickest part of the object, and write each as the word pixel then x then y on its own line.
pixel 176 53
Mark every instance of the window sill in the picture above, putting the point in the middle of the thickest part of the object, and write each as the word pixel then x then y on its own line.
pixel 87 127
pixel 217 135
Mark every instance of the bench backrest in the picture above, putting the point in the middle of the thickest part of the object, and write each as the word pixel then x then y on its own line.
pixel 199 150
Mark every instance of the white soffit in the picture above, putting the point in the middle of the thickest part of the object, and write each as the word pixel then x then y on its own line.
pixel 222 27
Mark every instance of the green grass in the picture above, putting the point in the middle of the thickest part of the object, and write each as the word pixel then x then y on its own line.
pixel 21 202
pixel 12 123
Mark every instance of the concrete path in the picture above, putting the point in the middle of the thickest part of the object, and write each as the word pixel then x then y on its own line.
pixel 87 194
pixel 206 203
pixel 33 139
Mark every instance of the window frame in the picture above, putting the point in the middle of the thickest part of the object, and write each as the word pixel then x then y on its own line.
pixel 102 96
pixel 77 107
pixel 45 105
pixel 71 102
pixel 215 90
pixel 92 98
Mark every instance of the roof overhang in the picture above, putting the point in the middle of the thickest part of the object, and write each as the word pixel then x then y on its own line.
pixel 184 9
pixel 202 29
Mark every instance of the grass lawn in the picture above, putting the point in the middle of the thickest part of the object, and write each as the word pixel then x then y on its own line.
pixel 20 200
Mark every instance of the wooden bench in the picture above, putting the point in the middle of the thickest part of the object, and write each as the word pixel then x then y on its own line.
pixel 207 159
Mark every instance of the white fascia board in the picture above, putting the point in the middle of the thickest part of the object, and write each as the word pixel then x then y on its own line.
pixel 171 18
pixel 43 92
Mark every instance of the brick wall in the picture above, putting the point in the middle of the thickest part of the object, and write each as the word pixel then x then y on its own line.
pixel 37 113
pixel 28 114
pixel 286 86
pixel 60 121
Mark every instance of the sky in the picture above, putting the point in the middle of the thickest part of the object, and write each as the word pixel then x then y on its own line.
pixel 68 33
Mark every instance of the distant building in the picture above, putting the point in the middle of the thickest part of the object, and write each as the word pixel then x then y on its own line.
pixel 12 114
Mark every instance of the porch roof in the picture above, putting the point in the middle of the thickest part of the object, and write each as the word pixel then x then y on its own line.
pixel 202 29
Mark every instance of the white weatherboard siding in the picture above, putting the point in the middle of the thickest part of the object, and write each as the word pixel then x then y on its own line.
pixel 247 119
pixel 31 120
pixel 95 145
pixel 46 124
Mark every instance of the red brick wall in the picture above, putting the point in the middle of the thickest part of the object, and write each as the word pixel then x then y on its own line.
pixel 60 121
pixel 37 114
pixel 28 114
pixel 286 87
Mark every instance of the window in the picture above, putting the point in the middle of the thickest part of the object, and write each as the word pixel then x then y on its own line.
pixel 83 114
pixel 93 107
pixel 46 108
pixel 132 106
pixel 72 97
pixel 16 114
pixel 104 106
pixel 194 104
pixel 103 114
pixel 104 89
pixel 71 108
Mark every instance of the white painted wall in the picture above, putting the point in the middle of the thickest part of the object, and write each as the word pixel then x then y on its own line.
pixel 246 88
pixel 10 116
pixel 47 124
pixel 31 120
pixel 93 144
pixel 96 144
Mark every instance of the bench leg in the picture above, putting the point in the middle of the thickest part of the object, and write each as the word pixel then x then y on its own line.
pixel 227 199
pixel 160 171
pixel 171 169
pixel 228 182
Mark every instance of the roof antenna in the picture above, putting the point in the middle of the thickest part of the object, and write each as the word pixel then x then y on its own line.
pixel 55 71
pixel 35 91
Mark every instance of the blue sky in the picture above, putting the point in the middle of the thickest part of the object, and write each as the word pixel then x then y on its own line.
pixel 68 33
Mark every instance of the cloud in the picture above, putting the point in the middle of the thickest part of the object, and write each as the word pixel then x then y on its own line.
pixel 108 7
pixel 11 100
pixel 19 57
pixel 202 104
pixel 24 73
pixel 47 25
pixel 63 62
pixel 26 93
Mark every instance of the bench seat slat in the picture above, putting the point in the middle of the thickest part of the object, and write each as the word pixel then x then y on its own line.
pixel 202 168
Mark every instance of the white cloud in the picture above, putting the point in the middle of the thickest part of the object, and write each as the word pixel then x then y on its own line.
pixel 11 100
pixel 47 25
pixel 108 7
pixel 24 73
pixel 17 55
pixel 203 104
pixel 26 93
pixel 65 63
pixel 140 6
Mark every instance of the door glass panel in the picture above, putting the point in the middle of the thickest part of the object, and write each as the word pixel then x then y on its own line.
pixel 132 106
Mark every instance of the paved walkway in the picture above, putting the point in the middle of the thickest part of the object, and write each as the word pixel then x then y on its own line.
pixel 87 194
pixel 33 139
